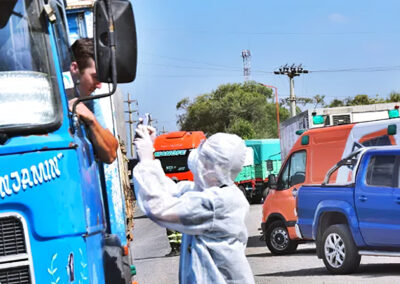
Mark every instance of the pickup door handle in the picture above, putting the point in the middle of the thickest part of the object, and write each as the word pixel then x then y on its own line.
pixel 398 200
pixel 364 198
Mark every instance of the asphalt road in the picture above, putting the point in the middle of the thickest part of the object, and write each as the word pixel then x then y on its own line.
pixel 150 246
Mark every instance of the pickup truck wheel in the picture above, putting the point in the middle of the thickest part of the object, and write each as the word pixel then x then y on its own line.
pixel 340 253
pixel 277 239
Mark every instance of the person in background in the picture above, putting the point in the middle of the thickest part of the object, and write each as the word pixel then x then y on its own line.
pixel 83 72
pixel 210 212
pixel 174 237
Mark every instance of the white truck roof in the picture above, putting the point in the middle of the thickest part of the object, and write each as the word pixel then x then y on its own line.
pixel 331 116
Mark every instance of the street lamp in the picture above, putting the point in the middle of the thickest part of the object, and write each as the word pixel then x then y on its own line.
pixel 276 102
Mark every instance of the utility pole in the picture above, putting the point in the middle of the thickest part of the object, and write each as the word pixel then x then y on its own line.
pixel 291 72
pixel 246 64
pixel 163 131
pixel 131 121
pixel 276 104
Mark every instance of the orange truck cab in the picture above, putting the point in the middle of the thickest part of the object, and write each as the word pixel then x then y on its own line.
pixel 173 149
pixel 314 153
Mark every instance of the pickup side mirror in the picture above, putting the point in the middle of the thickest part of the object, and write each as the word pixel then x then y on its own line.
pixel 272 184
pixel 119 33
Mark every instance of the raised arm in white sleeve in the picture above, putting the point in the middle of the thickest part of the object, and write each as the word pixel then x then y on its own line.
pixel 170 204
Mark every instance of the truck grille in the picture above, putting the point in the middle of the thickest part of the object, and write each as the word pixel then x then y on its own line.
pixel 12 240
pixel 15 258
pixel 341 119
pixel 18 275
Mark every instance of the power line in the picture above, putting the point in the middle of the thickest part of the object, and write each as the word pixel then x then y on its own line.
pixel 189 76
pixel 362 69
pixel 193 67
pixel 188 60
pixel 232 68
pixel 275 33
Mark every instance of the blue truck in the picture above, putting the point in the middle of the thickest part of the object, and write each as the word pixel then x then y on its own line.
pixel 58 216
pixel 361 217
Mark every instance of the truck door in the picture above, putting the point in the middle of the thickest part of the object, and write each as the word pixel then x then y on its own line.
pixel 292 176
pixel 377 200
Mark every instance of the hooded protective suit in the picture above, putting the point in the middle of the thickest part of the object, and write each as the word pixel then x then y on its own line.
pixel 210 212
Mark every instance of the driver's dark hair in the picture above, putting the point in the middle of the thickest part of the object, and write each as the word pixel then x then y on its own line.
pixel 83 50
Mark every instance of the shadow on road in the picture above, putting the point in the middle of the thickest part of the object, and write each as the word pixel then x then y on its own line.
pixel 140 217
pixel 259 255
pixel 372 270
pixel 155 257
pixel 364 271
pixel 255 241
pixel 300 272
pixel 306 251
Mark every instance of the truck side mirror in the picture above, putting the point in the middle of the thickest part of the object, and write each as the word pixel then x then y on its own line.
pixel 272 181
pixel 6 8
pixel 122 34
pixel 270 166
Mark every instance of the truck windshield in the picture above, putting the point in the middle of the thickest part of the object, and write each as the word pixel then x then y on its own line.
pixel 27 99
pixel 174 161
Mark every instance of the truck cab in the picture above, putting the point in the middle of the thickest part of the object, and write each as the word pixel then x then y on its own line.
pixel 173 149
pixel 53 210
pixel 262 158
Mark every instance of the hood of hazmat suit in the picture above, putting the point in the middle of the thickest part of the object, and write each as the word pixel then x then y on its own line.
pixel 217 161
pixel 209 212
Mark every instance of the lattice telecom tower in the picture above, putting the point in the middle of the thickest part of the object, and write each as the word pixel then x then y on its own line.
pixel 246 64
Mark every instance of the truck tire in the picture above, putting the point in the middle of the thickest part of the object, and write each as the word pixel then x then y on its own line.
pixel 243 190
pixel 256 199
pixel 117 268
pixel 265 193
pixel 339 251
pixel 277 239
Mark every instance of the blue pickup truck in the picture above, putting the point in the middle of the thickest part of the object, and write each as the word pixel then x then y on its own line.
pixel 361 217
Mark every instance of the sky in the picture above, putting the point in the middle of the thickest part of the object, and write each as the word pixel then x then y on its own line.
pixel 188 48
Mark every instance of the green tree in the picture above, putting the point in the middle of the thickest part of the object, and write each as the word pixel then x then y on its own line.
pixel 244 109
pixel 337 103
pixel 319 101
pixel 360 100
pixel 394 97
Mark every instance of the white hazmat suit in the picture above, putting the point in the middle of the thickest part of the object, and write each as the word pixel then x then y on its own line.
pixel 210 211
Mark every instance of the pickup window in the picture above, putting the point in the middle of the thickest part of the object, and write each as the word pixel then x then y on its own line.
pixel 377 141
pixel 294 170
pixel 381 171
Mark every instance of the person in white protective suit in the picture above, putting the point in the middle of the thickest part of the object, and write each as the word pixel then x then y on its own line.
pixel 210 212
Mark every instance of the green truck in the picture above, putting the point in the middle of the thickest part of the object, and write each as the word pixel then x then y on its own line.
pixel 263 158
